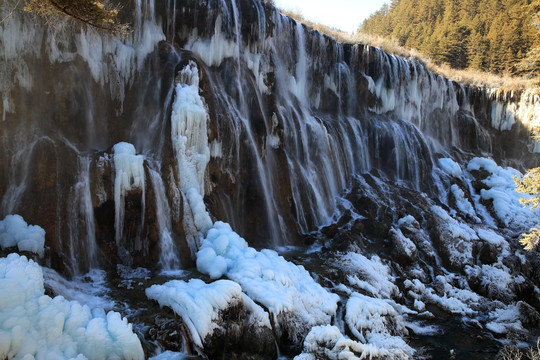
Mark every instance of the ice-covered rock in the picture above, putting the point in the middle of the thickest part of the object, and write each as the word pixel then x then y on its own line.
pixel 288 291
pixel 14 231
pixel 215 313
pixel 326 342
pixel 33 325
pixel 378 323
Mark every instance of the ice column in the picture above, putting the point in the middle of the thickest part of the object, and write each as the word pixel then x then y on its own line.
pixel 190 143
pixel 129 171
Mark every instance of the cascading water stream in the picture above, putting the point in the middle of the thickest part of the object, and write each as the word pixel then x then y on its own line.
pixel 168 258
pixel 82 235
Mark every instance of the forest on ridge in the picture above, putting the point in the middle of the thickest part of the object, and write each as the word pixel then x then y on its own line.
pixel 500 36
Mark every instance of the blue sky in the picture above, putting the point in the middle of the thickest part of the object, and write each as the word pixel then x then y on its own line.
pixel 342 14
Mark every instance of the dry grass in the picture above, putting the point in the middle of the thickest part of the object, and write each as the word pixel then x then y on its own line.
pixel 467 77
pixel 511 352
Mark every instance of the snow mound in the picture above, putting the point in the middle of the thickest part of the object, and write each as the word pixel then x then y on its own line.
pixel 34 325
pixel 281 286
pixel 378 323
pixel 14 231
pixel 450 167
pixel 501 191
pixel 197 303
pixel 370 275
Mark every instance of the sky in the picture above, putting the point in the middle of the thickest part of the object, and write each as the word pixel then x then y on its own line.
pixel 345 15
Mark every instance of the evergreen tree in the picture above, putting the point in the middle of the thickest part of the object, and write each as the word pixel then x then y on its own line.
pixel 496 35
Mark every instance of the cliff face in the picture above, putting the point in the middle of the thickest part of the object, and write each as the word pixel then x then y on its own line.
pixel 291 118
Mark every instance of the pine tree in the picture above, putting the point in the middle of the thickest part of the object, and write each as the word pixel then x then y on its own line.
pixel 496 35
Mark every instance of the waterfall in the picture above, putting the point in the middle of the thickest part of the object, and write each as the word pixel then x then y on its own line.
pixel 247 117
pixel 82 235
pixel 168 257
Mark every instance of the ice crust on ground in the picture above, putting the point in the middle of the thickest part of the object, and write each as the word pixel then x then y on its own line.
pixel 197 303
pixel 267 278
pixel 14 231
pixel 34 325
pixel 370 275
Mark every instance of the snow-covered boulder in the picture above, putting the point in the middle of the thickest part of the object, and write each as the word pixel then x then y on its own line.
pixel 217 314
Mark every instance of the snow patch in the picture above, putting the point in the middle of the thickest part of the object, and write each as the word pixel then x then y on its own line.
pixel 370 275
pixel 505 320
pixel 457 237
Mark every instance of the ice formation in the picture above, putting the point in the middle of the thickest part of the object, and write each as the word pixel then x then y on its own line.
pixel 129 170
pixel 216 49
pixel 267 278
pixel 450 167
pixel 463 204
pixel 14 231
pixel 190 142
pixel 197 303
pixel 34 325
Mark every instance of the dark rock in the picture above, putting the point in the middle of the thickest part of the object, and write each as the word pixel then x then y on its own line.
pixel 488 254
